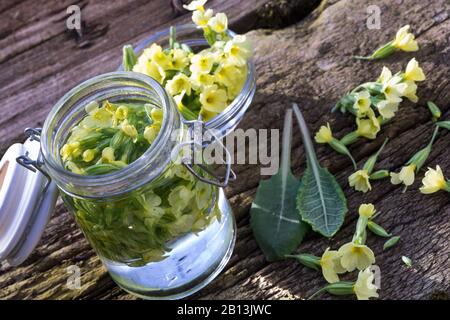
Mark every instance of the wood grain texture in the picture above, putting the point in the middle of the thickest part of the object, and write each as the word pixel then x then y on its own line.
pixel 310 63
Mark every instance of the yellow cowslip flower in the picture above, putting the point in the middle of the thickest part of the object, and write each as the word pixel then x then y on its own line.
pixel 228 74
pixel 360 181
pixel 150 133
pixel 368 127
pixel 158 56
pixel 219 23
pixel 363 288
pixel 410 92
pixel 387 109
pixel 91 107
pixel 108 154
pixel 178 84
pixel 73 168
pixel 97 118
pixel 385 75
pixel 200 80
pixel 238 50
pixel 213 99
pixel 129 129
pixel 362 103
pixel 434 181
pixel 69 150
pixel 324 135
pixel 180 59
pixel 111 108
pixel 356 256
pixel 157 115
pixel 202 17
pixel 179 198
pixel 394 89
pixel 89 155
pixel 151 69
pixel 405 176
pixel 202 62
pixel 404 40
pixel 207 115
pixel 331 266
pixel 413 71
pixel 195 5
pixel 121 113
pixel 366 210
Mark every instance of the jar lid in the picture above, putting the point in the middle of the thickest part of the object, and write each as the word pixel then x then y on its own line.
pixel 27 199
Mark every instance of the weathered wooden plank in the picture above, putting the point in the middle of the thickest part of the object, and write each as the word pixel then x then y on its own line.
pixel 309 63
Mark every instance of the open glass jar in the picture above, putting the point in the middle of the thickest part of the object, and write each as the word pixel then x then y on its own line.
pixel 160 231
pixel 163 229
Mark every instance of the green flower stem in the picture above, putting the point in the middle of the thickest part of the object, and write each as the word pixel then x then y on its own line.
pixel 360 232
pixel 349 138
pixel 421 156
pixel 443 124
pixel 129 58
pixel 308 260
pixel 341 288
pixel 339 147
pixel 381 53
pixel 370 163
pixel 172 37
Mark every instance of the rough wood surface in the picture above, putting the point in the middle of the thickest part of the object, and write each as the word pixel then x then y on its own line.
pixel 309 62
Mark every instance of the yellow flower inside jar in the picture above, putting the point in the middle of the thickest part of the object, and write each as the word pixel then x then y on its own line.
pixel 132 230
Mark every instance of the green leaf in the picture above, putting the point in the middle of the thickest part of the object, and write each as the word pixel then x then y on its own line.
pixel 273 217
pixel 320 202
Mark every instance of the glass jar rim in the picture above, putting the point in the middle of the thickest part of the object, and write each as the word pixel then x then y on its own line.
pixel 230 116
pixel 142 165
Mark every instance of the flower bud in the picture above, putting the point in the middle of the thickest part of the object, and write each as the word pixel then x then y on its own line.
pixel 391 242
pixel 434 110
pixel 407 261
pixel 349 138
pixel 380 174
pixel 377 229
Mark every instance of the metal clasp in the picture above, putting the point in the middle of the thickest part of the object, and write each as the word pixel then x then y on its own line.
pixel 196 132
pixel 34 134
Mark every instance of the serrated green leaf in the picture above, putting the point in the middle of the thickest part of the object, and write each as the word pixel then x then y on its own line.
pixel 277 228
pixel 321 201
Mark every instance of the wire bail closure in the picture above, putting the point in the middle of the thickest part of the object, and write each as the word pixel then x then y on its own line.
pixel 196 133
pixel 34 134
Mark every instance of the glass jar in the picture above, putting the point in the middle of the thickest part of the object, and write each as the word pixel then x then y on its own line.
pixel 192 36
pixel 160 231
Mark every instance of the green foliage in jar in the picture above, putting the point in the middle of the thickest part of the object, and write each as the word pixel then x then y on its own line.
pixel 135 228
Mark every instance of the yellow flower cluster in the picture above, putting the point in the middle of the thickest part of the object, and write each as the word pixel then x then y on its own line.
pixel 374 103
pixel 206 82
pixel 354 255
